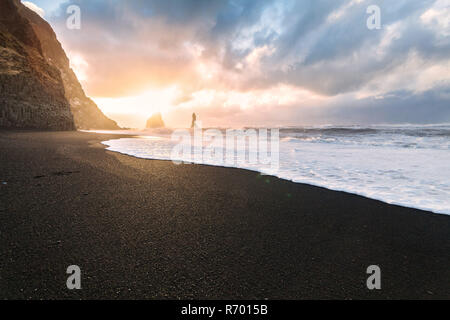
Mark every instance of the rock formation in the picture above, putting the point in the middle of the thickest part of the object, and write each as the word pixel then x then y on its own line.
pixel 194 120
pixel 155 121
pixel 38 89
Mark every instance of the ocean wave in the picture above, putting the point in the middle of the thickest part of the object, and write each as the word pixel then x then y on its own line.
pixel 399 165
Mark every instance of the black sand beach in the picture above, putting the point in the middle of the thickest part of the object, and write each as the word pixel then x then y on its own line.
pixel 151 229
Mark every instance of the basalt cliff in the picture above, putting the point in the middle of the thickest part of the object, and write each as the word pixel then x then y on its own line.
pixel 38 89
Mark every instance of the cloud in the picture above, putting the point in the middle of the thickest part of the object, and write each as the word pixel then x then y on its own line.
pixel 251 48
pixel 403 106
pixel 35 8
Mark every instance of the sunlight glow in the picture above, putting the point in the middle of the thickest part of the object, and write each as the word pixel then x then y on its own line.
pixel 143 105
pixel 79 66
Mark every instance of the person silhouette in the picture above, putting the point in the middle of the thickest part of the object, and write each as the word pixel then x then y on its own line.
pixel 194 119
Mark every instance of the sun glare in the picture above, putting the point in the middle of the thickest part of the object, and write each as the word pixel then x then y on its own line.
pixel 142 105
pixel 79 66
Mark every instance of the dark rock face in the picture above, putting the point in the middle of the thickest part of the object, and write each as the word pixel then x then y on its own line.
pixel 38 89
pixel 32 93
pixel 155 121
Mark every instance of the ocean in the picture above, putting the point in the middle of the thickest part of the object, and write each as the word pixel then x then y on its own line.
pixel 408 165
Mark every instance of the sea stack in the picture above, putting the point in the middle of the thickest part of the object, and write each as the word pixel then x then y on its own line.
pixel 155 121
pixel 38 89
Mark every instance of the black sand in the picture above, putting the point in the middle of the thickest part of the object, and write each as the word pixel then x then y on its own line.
pixel 151 229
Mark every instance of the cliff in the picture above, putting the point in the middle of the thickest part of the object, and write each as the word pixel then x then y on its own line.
pixel 155 121
pixel 38 89
pixel 32 93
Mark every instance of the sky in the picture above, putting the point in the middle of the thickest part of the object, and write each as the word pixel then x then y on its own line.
pixel 260 63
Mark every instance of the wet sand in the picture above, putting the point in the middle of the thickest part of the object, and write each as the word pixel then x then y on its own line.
pixel 146 229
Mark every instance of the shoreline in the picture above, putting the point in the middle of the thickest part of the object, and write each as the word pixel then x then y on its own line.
pixel 361 194
pixel 149 229
pixel 276 177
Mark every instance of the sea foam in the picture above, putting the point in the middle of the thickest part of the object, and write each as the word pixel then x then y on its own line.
pixel 404 165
